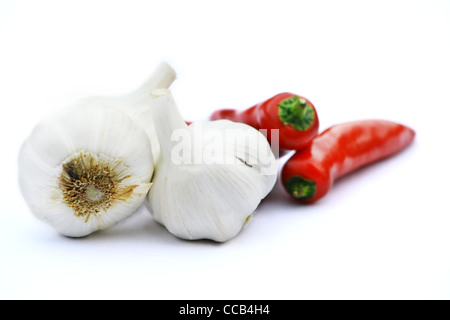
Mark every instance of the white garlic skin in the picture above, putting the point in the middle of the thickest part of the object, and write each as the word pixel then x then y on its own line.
pixel 214 204
pixel 209 201
pixel 96 134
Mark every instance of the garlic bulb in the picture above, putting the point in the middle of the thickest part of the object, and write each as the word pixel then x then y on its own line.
pixel 209 179
pixel 135 103
pixel 85 169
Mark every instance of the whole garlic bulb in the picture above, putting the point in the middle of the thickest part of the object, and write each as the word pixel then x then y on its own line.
pixel 212 189
pixel 85 169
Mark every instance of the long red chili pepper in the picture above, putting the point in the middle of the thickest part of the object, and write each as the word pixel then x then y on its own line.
pixel 309 174
pixel 294 116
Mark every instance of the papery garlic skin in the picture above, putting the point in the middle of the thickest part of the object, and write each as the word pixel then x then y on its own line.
pixel 211 199
pixel 85 169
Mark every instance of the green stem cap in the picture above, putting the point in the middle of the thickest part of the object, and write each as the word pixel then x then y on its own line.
pixel 300 188
pixel 296 112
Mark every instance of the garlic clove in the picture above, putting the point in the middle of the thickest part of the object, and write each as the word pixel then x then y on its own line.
pixel 212 195
pixel 85 169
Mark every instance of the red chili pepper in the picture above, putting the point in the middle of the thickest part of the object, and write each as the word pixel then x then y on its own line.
pixel 309 174
pixel 294 116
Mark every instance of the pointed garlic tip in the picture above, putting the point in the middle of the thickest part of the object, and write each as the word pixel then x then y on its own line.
pixel 85 169
pixel 167 73
pixel 212 177
pixel 162 77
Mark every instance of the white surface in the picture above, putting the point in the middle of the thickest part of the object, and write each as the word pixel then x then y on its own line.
pixel 381 233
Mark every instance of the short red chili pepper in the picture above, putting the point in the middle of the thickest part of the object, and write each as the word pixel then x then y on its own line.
pixel 309 174
pixel 294 116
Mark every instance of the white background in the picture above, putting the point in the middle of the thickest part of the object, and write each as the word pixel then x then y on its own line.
pixel 383 232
